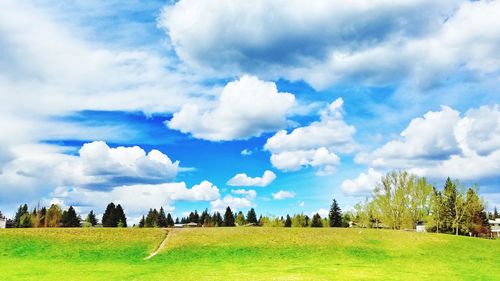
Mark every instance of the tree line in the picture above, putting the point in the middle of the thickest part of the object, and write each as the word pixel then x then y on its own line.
pixel 54 216
pixel 402 201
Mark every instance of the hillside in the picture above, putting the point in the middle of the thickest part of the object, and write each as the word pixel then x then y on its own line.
pixel 244 254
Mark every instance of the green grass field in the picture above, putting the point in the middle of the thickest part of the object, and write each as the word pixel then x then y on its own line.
pixel 244 254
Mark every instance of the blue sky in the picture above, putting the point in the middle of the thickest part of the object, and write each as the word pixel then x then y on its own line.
pixel 162 103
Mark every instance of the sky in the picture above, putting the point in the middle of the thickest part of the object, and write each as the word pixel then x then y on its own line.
pixel 275 105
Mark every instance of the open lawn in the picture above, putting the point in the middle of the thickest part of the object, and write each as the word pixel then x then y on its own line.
pixel 244 254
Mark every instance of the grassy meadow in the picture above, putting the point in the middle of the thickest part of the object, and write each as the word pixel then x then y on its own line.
pixel 244 254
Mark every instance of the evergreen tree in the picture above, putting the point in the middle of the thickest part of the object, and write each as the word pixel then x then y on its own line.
pixel 177 220
pixel 91 218
pixel 228 217
pixel 335 215
pixel 316 221
pixel 70 218
pixel 170 221
pixel 307 219
pixel 288 221
pixel 121 219
pixel 251 216
pixel 217 219
pixel 142 222
pixel 151 218
pixel 161 220
pixel 450 198
pixel 109 218
pixel 495 213
pixel 196 217
pixel 23 209
pixel 205 218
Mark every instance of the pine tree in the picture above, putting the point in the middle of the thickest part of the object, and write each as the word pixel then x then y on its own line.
pixel 196 217
pixel 335 215
pixel 161 220
pixel 91 218
pixel 170 221
pixel 495 213
pixel 121 219
pixel 240 219
pixel 316 221
pixel 23 209
pixel 450 198
pixel 70 218
pixel 151 218
pixel 251 216
pixel 217 219
pixel 288 221
pixel 109 217
pixel 228 217
pixel 177 220
pixel 142 222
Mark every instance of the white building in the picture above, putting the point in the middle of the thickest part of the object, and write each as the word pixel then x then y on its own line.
pixel 3 222
pixel 421 228
pixel 495 227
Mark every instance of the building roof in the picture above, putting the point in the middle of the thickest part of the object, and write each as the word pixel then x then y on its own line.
pixel 497 220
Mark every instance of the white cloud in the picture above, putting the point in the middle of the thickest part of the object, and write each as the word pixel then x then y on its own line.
pixel 243 180
pixel 330 132
pixel 363 184
pixel 419 42
pixel 36 169
pixel 246 152
pixel 125 165
pixel 315 144
pixel 320 158
pixel 234 203
pixel 443 144
pixel 429 137
pixel 283 194
pixel 249 194
pixel 246 108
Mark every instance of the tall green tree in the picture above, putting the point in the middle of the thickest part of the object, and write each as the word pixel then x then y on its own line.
pixel 151 218
pixel 170 221
pixel 251 216
pixel 316 221
pixel 228 217
pixel 288 221
pixel 142 222
pixel 109 218
pixel 69 218
pixel 121 218
pixel 335 215
pixel 439 210
pixel 495 213
pixel 217 219
pixel 91 218
pixel 161 220
pixel 23 209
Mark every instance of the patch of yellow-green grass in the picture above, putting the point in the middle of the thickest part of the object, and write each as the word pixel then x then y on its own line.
pixel 245 254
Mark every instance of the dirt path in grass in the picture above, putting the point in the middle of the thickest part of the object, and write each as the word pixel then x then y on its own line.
pixel 163 243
